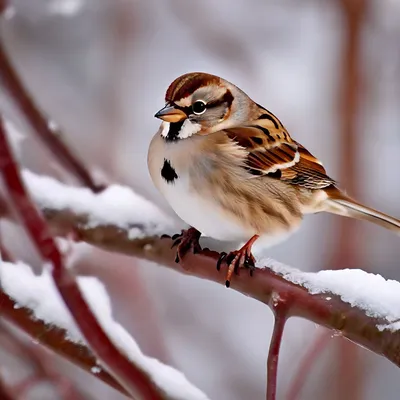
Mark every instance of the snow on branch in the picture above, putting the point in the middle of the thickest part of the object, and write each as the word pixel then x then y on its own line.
pixel 39 295
pixel 116 206
pixel 378 297
pixel 106 345
pixel 54 338
pixel 363 307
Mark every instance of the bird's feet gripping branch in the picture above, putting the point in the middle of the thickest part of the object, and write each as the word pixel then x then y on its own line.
pixel 185 241
pixel 242 258
pixel 188 240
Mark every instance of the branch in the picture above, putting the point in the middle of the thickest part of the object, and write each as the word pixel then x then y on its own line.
pixel 5 255
pixel 3 6
pixel 126 372
pixel 92 224
pixel 33 303
pixel 280 308
pixel 5 392
pixel 43 369
pixel 54 338
pixel 49 134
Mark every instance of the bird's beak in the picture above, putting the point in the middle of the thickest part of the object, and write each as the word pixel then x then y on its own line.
pixel 171 114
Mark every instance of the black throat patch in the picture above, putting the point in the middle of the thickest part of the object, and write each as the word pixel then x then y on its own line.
pixel 168 172
pixel 173 132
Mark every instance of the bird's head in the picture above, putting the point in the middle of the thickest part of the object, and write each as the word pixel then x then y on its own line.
pixel 199 104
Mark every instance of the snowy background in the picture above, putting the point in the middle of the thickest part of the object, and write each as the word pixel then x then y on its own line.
pixel 100 68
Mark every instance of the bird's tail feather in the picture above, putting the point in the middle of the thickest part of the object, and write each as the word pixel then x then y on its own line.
pixel 339 203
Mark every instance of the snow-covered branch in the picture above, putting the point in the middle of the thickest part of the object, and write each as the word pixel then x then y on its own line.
pixel 112 346
pixel 362 307
pixel 33 303
pixel 53 337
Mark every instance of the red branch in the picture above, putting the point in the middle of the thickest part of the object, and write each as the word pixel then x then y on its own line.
pixel 49 136
pixel 280 308
pixel 136 382
pixel 5 255
pixel 5 392
pixel 326 309
pixel 43 368
pixel 54 338
pixel 3 5
pixel 273 356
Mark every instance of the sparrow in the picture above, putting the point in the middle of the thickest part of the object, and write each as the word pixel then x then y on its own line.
pixel 230 169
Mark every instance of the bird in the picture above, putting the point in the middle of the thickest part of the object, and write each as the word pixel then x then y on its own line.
pixel 230 169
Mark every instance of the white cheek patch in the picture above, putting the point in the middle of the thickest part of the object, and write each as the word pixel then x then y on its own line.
pixel 188 129
pixel 164 129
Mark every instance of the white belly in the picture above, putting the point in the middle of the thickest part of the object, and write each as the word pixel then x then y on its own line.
pixel 203 214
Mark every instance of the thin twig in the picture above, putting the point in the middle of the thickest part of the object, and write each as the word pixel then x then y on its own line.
pixel 280 306
pixel 5 254
pixel 50 136
pixel 3 6
pixel 136 382
pixel 5 393
pixel 4 208
pixel 43 368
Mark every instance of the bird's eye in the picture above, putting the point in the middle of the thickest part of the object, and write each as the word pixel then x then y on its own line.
pixel 199 107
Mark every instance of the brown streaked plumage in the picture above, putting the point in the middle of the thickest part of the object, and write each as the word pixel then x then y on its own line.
pixel 229 168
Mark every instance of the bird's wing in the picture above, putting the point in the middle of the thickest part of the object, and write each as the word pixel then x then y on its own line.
pixel 272 152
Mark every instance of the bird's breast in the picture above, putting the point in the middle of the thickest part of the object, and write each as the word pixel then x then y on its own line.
pixel 171 167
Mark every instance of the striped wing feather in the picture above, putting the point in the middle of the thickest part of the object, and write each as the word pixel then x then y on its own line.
pixel 272 152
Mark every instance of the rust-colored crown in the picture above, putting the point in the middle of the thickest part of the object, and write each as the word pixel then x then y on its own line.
pixel 186 84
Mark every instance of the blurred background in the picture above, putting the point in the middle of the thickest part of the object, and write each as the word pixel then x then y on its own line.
pixel 329 69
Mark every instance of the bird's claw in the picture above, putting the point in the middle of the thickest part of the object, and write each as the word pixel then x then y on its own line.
pixel 176 241
pixel 221 258
pixel 242 258
pixel 185 241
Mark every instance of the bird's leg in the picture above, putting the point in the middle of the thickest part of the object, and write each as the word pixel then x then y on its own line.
pixel 242 258
pixel 185 241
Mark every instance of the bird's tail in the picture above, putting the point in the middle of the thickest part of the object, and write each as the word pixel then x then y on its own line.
pixel 339 203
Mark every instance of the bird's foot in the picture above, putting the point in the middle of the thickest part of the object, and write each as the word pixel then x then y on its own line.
pixel 185 241
pixel 242 258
